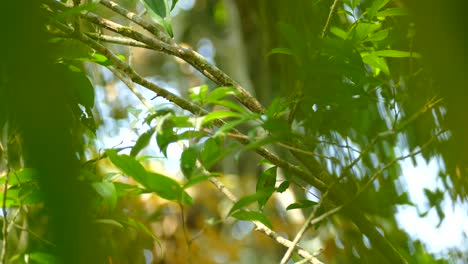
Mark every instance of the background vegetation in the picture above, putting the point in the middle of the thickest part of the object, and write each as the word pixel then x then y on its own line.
pixel 231 131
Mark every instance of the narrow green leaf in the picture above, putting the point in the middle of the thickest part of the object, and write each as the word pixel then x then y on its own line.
pixel 127 190
pixel 267 179
pixel 396 54
pixel 22 176
pixel 338 32
pixel 166 188
pixel 393 12
pixel 109 222
pixel 220 93
pixel 38 257
pixel 362 30
pixel 375 7
pixel 219 115
pixel 378 36
pixel 139 226
pixel 199 93
pixel 285 51
pixel 249 199
pixel 174 2
pixel 142 142
pixel 156 7
pixel 252 216
pixel 188 161
pixel 211 152
pixel 283 186
pixel 128 165
pixel 233 106
pixel 301 204
pixel 230 125
pixel 377 63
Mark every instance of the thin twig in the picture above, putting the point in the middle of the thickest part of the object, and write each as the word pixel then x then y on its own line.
pixel 132 88
pixel 302 231
pixel 330 16
pixel 264 229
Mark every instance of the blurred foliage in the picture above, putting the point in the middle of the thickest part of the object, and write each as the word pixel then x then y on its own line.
pixel 350 88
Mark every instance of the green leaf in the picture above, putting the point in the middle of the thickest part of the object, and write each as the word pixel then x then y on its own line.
pixel 128 165
pixel 220 93
pixel 127 190
pixel 43 258
pixel 22 176
pixel 159 184
pixel 230 125
pixel 199 93
pixel 362 30
pixel 375 7
pixel 219 115
pixel 188 161
pixel 285 51
pixel 301 204
pixel 252 216
pixel 378 36
pixel 211 152
pixel 377 63
pixel 158 8
pixel 139 226
pixel 393 12
pixel 267 179
pixel 338 32
pixel 283 186
pixel 396 54
pixel 108 192
pixel 142 142
pixel 174 2
pixel 111 222
pixel 249 199
pixel 233 106
pixel 166 188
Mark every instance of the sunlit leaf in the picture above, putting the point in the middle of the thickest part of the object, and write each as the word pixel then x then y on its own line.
pixel 377 64
pixel 252 216
pixel 219 115
pixel 111 222
pixel 396 54
pixel 220 93
pixel 128 165
pixel 107 191
pixel 43 258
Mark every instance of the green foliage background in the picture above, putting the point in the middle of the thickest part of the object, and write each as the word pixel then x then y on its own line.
pixel 314 100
